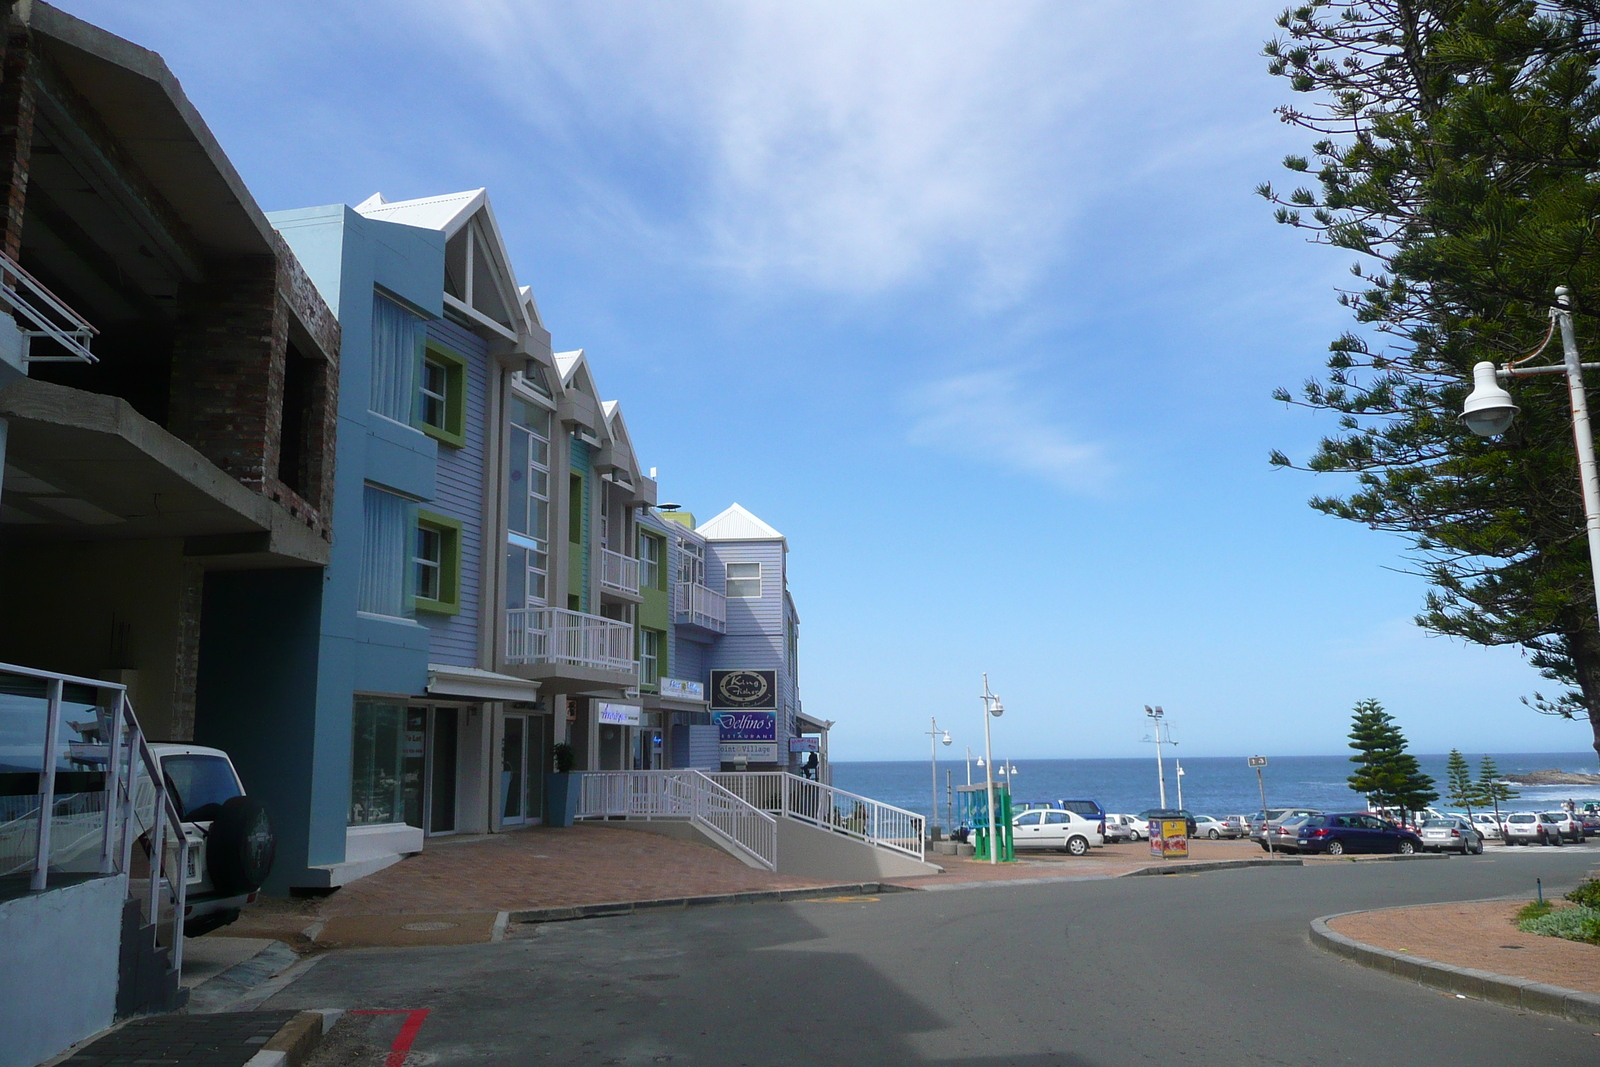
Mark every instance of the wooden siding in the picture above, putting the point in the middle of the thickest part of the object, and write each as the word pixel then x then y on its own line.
pixel 459 494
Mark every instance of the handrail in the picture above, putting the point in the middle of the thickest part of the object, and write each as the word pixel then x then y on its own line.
pixel 681 794
pixel 558 635
pixel 74 335
pixel 701 606
pixel 826 807
pixel 618 572
pixel 126 750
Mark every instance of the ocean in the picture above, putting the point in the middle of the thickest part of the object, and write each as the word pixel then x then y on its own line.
pixel 1211 785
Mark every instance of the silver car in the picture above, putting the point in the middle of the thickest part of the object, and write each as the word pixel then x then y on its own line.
pixel 1451 835
pixel 1273 819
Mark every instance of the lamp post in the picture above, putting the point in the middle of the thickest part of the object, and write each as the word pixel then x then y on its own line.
pixel 933 750
pixel 1156 715
pixel 969 764
pixel 1489 412
pixel 1179 764
pixel 991 707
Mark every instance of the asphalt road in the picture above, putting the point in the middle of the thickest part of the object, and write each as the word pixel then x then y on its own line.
pixel 1212 968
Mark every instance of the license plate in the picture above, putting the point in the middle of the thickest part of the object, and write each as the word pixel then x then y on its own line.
pixel 192 873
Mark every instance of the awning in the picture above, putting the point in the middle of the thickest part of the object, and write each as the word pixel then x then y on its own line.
pixel 807 725
pixel 445 680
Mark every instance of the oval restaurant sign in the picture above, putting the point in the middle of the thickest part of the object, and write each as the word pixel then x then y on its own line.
pixel 738 690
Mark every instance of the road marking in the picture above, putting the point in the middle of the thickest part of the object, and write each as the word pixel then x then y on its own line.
pixel 841 900
pixel 408 1032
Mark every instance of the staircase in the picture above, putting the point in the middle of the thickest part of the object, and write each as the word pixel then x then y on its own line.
pixel 94 925
pixel 769 819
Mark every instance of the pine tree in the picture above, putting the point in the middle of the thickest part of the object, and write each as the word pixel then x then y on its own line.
pixel 1385 772
pixel 1458 773
pixel 1455 146
pixel 1491 788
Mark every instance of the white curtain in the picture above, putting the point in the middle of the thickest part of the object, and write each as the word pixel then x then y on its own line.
pixel 396 350
pixel 384 554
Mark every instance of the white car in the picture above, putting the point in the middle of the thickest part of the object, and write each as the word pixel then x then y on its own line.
pixel 1053 828
pixel 1530 827
pixel 1122 828
pixel 1567 825
pixel 1485 825
pixel 1138 829
pixel 231 844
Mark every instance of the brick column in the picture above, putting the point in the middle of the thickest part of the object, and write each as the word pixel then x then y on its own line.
pixel 18 90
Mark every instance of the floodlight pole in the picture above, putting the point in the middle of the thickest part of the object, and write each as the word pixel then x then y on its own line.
pixel 989 701
pixel 1155 714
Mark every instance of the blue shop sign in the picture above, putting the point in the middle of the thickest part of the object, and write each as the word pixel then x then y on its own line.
pixel 746 725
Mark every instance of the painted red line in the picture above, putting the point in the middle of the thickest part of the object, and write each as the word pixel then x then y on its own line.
pixel 408 1032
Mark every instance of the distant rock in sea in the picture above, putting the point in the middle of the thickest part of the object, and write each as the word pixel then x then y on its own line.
pixel 1554 778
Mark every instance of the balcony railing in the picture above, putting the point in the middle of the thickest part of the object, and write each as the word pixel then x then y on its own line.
pixel 619 573
pixel 699 606
pixel 41 313
pixel 555 635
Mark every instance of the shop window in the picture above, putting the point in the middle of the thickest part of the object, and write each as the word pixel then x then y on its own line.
pixel 386 763
pixel 436 560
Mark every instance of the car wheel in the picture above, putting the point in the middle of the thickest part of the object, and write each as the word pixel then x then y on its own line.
pixel 1078 846
pixel 1335 848
pixel 1212 834
pixel 1407 848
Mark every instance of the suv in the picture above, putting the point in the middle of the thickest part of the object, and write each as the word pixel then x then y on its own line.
pixel 1567 825
pixel 1089 809
pixel 1528 827
pixel 1150 814
pixel 231 844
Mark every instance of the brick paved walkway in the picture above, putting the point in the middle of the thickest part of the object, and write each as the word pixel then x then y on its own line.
pixel 225 1040
pixel 1480 935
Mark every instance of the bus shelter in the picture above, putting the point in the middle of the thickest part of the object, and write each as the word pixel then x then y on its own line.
pixel 973 811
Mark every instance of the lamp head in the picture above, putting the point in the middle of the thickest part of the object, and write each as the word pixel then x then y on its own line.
pixel 997 709
pixel 1489 409
pixel 947 738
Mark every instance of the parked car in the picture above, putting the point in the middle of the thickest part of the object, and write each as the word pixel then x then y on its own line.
pixel 1089 809
pixel 1452 835
pixel 1590 821
pixel 1286 834
pixel 1049 828
pixel 231 844
pixel 1269 820
pixel 1567 824
pixel 1121 828
pixel 1354 831
pixel 1209 828
pixel 1136 826
pixel 1236 826
pixel 1485 824
pixel 1528 827
pixel 1167 813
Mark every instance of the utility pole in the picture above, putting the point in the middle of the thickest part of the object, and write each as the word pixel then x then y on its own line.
pixel 1156 715
pixel 991 707
pixel 1179 764
pixel 933 750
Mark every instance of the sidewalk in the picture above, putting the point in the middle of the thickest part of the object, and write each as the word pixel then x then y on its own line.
pixel 1481 935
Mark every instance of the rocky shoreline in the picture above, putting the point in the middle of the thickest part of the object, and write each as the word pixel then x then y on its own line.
pixel 1554 777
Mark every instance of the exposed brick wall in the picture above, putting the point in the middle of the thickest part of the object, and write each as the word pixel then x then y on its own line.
pixel 229 364
pixel 17 93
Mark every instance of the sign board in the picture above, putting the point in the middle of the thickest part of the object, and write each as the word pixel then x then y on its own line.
pixel 412 748
pixel 678 689
pixel 617 714
pixel 805 744
pixel 754 753
pixel 1258 761
pixel 744 689
pixel 1169 838
pixel 746 725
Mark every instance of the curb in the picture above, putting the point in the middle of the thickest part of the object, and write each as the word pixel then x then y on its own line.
pixel 1521 993
pixel 294 1042
pixel 759 896
pixel 224 990
pixel 1217 865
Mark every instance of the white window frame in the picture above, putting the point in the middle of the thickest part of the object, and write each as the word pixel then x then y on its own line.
pixel 650 675
pixel 423 564
pixel 534 578
pixel 691 562
pixel 729 579
pixel 440 398
pixel 650 566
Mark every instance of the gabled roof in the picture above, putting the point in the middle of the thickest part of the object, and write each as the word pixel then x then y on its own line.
pixel 737 524
pixel 617 431
pixel 478 254
pixel 575 373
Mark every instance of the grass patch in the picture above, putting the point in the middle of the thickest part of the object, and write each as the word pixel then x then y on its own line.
pixel 1534 909
pixel 1577 923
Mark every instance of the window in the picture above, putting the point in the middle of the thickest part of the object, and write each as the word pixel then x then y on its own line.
pixel 396 346
pixel 442 396
pixel 650 562
pixel 744 580
pixel 575 509
pixel 1055 818
pixel 386 763
pixel 1029 818
pixel 649 657
pixel 691 562
pixel 437 564
pixel 385 539
pixel 528 496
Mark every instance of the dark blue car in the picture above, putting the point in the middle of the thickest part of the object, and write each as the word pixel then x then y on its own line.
pixel 1354 831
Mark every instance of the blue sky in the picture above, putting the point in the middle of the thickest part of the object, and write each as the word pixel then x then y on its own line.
pixel 975 304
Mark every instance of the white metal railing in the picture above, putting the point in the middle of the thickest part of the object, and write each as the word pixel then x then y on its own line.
pixel 94 831
pixel 43 314
pixel 792 797
pixel 698 606
pixel 619 573
pixel 556 635
pixel 683 795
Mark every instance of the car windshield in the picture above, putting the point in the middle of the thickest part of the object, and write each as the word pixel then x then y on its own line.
pixel 1552 817
pixel 1520 818
pixel 200 785
pixel 1442 824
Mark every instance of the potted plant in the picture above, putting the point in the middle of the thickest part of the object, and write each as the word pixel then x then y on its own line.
pixel 561 788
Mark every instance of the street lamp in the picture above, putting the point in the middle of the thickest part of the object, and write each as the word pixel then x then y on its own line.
pixel 1155 715
pixel 1489 410
pixel 991 707
pixel 969 764
pixel 933 748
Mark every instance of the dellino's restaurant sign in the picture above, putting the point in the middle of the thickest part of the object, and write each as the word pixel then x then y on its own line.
pixel 735 726
pixel 739 690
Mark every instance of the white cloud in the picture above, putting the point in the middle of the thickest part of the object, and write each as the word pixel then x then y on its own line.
pixel 846 147
pixel 988 418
